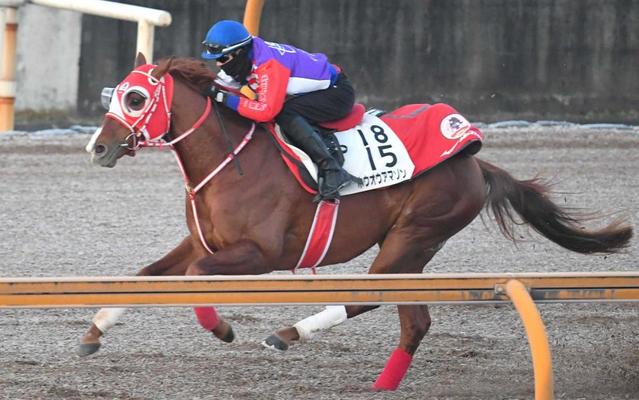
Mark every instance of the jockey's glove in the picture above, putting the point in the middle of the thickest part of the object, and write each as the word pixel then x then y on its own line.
pixel 228 99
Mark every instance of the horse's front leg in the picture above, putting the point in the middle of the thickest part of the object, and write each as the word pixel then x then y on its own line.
pixel 174 263
pixel 241 258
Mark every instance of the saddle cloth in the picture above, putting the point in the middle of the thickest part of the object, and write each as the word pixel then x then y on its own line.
pixel 390 149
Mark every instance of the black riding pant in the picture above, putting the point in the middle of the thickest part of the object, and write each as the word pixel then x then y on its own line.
pixel 329 104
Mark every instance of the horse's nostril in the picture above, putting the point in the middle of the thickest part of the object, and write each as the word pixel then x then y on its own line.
pixel 100 149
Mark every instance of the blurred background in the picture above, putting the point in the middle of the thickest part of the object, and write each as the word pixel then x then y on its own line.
pixel 569 60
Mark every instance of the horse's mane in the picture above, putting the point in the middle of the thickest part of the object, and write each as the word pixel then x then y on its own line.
pixel 191 71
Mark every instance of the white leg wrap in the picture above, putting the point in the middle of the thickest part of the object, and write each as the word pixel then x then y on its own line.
pixel 333 315
pixel 107 317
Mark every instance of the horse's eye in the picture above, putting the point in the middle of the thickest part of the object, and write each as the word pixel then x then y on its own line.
pixel 135 101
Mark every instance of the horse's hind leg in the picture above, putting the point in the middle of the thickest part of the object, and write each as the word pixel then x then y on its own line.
pixel 412 260
pixel 440 206
pixel 415 322
pixel 449 210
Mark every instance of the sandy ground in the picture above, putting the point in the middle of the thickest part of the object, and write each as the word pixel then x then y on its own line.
pixel 62 217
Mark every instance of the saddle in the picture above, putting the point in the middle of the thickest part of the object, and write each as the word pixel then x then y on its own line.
pixel 348 122
pixel 385 148
pixel 327 131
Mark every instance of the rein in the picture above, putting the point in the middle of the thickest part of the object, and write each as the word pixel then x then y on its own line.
pixel 229 144
pixel 190 190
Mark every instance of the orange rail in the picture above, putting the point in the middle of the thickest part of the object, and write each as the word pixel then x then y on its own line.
pixel 537 339
pixel 522 289
pixel 326 289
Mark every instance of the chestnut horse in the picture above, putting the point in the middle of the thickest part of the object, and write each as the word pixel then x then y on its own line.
pixel 257 221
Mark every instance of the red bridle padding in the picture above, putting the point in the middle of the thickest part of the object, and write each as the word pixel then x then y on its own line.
pixel 151 119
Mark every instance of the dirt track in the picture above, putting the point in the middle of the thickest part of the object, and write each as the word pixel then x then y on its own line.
pixel 62 217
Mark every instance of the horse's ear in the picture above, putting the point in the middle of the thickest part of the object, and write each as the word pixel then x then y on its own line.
pixel 162 68
pixel 140 59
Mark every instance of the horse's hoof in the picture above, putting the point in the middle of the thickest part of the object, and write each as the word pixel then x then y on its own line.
pixel 229 337
pixel 275 342
pixel 86 349
pixel 226 335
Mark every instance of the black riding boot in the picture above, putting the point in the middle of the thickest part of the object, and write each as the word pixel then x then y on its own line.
pixel 332 177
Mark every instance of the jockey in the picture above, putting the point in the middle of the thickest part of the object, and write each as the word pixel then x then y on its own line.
pixel 293 88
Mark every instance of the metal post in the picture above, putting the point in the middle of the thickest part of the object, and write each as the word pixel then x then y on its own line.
pixel 146 32
pixel 7 73
pixel 252 15
pixel 110 9
pixel 537 338
pixel 147 18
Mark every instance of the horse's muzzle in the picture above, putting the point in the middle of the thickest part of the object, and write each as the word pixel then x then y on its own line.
pixel 102 154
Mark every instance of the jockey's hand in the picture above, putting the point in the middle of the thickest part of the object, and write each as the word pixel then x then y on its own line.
pixel 228 99
pixel 218 95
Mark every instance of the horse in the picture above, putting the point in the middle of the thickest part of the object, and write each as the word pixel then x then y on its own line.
pixel 250 216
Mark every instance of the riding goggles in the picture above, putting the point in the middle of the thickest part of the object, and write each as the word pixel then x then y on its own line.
pixel 223 59
pixel 220 52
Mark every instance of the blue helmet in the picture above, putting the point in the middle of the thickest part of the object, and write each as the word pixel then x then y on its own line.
pixel 224 37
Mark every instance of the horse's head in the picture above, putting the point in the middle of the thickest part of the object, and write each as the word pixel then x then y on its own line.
pixel 139 110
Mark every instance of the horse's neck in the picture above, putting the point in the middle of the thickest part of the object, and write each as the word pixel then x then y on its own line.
pixel 207 147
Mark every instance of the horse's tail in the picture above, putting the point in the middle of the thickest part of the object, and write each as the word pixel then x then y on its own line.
pixel 529 199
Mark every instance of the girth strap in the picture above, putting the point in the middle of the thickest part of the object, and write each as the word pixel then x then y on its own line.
pixel 320 236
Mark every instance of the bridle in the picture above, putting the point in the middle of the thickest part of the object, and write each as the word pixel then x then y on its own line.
pixel 136 140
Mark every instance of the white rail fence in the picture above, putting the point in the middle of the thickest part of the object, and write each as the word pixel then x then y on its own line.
pixel 146 18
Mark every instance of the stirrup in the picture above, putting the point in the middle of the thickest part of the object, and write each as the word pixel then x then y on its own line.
pixel 334 194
